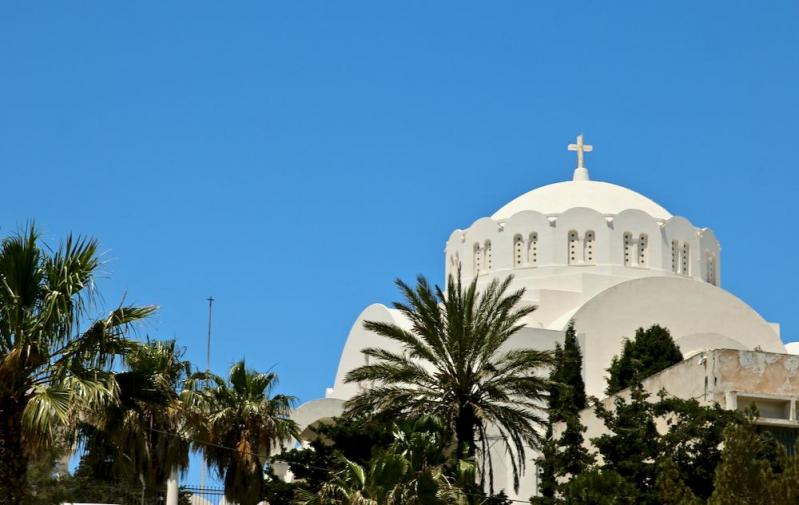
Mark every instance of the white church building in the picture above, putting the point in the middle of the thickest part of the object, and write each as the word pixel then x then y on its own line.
pixel 612 260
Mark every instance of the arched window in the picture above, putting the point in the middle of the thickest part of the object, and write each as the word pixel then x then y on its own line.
pixel 590 238
pixel 685 259
pixel 488 255
pixel 478 259
pixel 642 245
pixel 573 247
pixel 711 268
pixel 454 262
pixel 532 249
pixel 675 255
pixel 518 251
pixel 628 248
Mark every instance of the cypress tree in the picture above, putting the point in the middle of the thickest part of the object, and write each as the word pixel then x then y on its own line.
pixel 572 455
pixel 672 490
pixel 547 462
pixel 742 476
pixel 651 351
pixel 565 455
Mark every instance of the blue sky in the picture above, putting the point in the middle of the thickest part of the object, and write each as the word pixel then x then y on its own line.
pixel 292 158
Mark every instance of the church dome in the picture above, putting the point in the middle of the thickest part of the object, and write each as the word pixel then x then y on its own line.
pixel 602 197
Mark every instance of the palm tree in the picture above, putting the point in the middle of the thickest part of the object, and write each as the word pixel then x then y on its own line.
pixel 139 439
pixel 456 366
pixel 54 361
pixel 240 425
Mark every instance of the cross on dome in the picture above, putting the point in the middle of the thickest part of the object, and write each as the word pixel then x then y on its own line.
pixel 580 173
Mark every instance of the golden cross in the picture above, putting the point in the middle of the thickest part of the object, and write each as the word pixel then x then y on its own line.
pixel 581 148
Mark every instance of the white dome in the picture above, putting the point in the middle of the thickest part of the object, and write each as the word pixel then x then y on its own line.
pixel 792 347
pixel 603 197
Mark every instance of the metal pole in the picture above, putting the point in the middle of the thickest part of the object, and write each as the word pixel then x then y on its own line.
pixel 207 370
pixel 208 353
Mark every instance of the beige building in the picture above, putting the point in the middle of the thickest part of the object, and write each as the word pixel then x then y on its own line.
pixel 733 378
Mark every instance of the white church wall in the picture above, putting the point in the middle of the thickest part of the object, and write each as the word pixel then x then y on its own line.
pixel 684 306
pixel 358 339
pixel 526 225
pixel 710 257
pixel 314 411
pixel 582 221
pixel 684 233
pixel 637 223
pixel 598 240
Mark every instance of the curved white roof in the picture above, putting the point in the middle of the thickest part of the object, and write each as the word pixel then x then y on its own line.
pixel 603 197
pixel 792 347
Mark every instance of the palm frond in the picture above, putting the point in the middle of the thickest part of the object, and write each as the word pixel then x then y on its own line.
pixel 453 364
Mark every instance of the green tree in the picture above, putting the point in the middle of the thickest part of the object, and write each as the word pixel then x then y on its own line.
pixel 693 439
pixel 651 351
pixel 240 424
pixel 743 476
pixel 140 438
pixel 55 361
pixel 571 399
pixel 600 487
pixel 409 471
pixel 547 468
pixel 565 455
pixel 672 465
pixel 672 490
pixel 453 366
pixel 354 439
pixel 631 445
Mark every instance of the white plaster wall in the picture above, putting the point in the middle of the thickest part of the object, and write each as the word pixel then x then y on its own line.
pixel 314 410
pixel 609 230
pixel 358 339
pixel 686 307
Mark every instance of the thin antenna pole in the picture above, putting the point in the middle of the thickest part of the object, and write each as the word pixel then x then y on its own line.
pixel 207 370
pixel 211 301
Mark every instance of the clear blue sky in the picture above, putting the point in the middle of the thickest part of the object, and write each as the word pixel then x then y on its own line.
pixel 292 158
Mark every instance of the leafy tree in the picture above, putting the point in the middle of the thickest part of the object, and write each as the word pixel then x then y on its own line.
pixel 453 367
pixel 571 399
pixel 355 439
pixel 743 476
pixel 651 351
pixel 410 471
pixel 138 438
pixel 786 488
pixel 55 361
pixel 547 468
pixel 240 425
pixel 631 445
pixel 565 455
pixel 672 490
pixel 600 487
pixel 693 439
pixel 673 465
pixel 45 470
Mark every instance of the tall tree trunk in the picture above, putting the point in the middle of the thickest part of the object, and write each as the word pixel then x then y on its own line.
pixel 13 461
pixel 465 425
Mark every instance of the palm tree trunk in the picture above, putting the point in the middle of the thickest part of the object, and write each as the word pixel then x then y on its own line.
pixel 13 461
pixel 465 425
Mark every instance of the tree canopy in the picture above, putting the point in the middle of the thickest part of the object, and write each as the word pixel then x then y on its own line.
pixel 454 366
pixel 55 358
pixel 651 350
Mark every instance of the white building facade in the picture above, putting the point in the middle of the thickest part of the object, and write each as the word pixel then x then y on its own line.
pixel 597 253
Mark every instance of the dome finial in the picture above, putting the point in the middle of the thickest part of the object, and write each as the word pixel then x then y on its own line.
pixel 580 173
